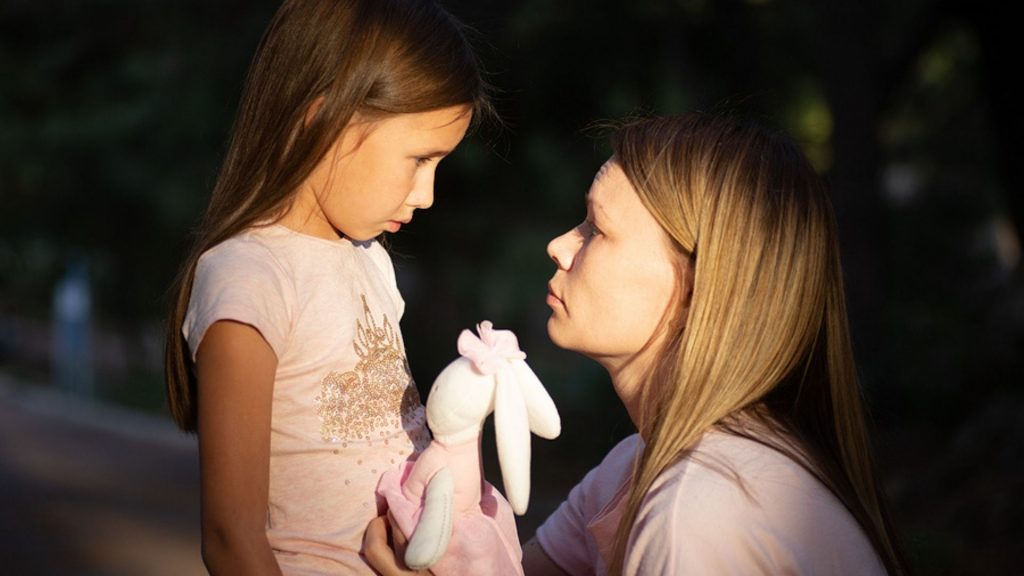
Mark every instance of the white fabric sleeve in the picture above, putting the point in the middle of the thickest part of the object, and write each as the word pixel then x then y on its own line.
pixel 239 280
pixel 565 536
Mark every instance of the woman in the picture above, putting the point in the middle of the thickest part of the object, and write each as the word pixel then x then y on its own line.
pixel 706 280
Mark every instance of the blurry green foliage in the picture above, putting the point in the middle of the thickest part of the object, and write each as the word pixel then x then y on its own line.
pixel 114 116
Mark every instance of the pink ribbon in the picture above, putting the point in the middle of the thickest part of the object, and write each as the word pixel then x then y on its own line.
pixel 492 349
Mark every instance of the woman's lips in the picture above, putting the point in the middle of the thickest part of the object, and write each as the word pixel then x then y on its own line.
pixel 553 300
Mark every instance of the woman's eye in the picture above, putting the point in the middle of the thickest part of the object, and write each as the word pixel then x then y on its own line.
pixel 591 229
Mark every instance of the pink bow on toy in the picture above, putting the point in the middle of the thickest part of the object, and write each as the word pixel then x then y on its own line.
pixel 492 349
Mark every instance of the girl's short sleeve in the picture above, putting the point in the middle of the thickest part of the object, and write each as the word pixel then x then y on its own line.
pixel 239 280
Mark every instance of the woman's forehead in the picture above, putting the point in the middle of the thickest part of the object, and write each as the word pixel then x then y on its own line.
pixel 605 168
pixel 609 176
pixel 612 194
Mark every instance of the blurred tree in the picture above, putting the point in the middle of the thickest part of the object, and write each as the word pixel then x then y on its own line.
pixel 114 115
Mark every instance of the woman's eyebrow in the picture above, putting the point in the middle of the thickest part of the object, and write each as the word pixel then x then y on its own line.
pixel 596 206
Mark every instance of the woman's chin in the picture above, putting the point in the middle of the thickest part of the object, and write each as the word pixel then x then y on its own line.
pixel 557 333
pixel 564 338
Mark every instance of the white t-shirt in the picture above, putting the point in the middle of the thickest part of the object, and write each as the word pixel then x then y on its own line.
pixel 771 517
pixel 345 407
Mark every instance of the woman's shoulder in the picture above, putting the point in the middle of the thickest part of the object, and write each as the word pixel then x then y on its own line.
pixel 737 505
pixel 621 456
pixel 720 483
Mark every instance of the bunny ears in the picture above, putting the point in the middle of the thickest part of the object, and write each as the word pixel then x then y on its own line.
pixel 521 405
pixel 492 375
pixel 492 350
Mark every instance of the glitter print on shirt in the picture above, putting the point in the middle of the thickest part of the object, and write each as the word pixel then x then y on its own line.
pixel 378 396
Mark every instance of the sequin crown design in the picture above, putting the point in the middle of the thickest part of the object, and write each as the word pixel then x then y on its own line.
pixel 374 400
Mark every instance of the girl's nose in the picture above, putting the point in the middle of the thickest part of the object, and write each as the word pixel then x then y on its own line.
pixel 563 249
pixel 422 195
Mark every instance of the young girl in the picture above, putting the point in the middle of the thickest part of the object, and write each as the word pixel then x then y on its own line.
pixel 283 347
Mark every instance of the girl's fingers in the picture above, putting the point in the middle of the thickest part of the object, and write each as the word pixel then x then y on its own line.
pixel 378 551
pixel 398 539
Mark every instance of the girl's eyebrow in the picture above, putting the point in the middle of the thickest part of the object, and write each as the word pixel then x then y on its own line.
pixel 434 154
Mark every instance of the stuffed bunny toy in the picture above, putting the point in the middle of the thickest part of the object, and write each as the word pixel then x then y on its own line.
pixel 457 523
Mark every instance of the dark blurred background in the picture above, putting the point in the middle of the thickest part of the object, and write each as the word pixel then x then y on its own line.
pixel 114 116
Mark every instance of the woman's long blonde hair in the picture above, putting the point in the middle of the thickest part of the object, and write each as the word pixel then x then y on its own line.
pixel 378 57
pixel 766 351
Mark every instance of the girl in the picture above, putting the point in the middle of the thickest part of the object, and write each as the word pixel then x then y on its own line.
pixel 283 348
pixel 706 280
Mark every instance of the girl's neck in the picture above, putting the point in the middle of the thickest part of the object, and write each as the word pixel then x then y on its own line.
pixel 306 216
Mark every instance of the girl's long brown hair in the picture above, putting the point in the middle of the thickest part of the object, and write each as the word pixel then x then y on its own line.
pixel 766 351
pixel 379 57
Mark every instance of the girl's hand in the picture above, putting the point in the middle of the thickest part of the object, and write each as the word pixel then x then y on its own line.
pixel 384 554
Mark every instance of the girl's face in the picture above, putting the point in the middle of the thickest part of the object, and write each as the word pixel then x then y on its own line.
pixel 377 174
pixel 615 275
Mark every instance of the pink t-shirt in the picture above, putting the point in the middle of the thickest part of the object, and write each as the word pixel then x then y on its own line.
pixel 345 407
pixel 773 517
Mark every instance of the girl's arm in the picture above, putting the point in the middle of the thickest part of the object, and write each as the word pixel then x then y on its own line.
pixel 536 561
pixel 235 368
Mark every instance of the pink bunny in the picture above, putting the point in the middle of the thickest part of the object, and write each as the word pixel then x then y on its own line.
pixel 458 523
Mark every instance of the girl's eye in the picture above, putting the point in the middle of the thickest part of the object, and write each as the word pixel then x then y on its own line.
pixel 423 160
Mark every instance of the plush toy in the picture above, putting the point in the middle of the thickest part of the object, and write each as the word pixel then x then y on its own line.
pixel 457 523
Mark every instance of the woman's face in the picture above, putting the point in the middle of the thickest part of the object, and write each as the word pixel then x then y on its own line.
pixel 615 274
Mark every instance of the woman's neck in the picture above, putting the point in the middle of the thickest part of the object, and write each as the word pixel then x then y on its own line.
pixel 628 379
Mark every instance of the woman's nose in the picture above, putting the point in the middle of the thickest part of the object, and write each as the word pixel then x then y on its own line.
pixel 563 249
